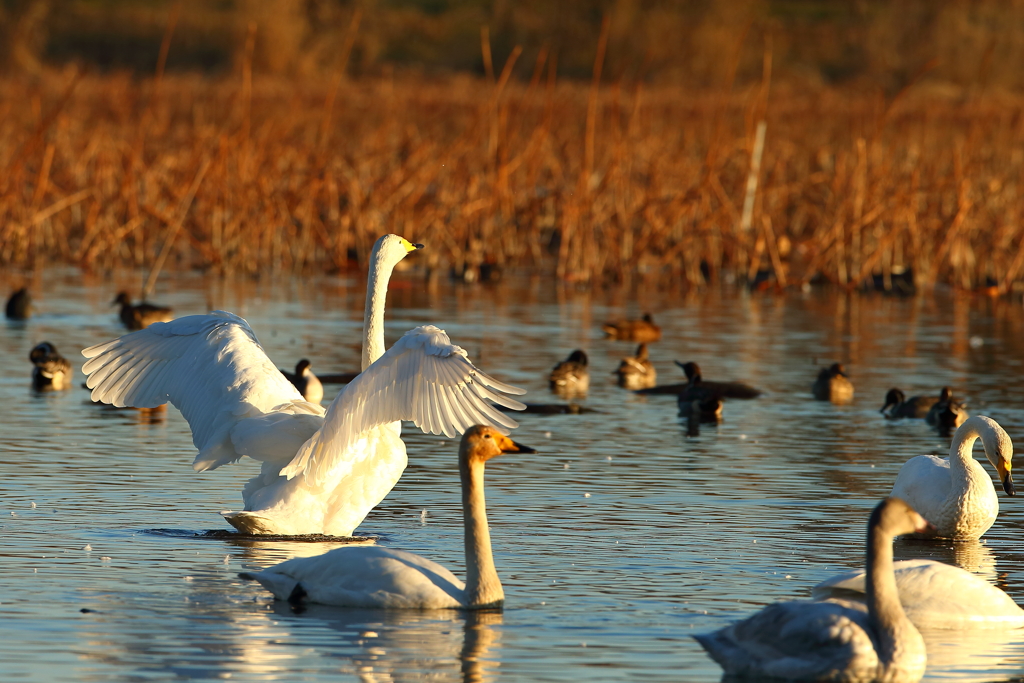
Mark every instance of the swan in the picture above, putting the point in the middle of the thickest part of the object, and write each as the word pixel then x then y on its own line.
pixel 322 471
pixel 50 369
pixel 833 385
pixel 936 595
pixel 643 330
pixel 956 493
pixel 376 577
pixel 636 372
pixel 19 305
pixel 305 381
pixel 142 315
pixel 571 375
pixel 897 405
pixel 834 640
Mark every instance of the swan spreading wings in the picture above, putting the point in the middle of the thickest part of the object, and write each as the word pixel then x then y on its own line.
pixel 322 471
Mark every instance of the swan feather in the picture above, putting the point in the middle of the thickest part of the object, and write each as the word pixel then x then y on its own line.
pixel 422 378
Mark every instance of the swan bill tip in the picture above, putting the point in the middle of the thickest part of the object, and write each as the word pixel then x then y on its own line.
pixel 1008 486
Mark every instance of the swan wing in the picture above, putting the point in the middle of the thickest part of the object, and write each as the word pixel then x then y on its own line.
pixel 924 483
pixel 364 576
pixel 795 640
pixel 423 378
pixel 213 369
pixel 935 595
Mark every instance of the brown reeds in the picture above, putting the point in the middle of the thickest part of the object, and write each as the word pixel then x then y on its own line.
pixel 594 182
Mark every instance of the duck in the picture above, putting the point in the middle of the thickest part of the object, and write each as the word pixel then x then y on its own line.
pixel 50 369
pixel 897 405
pixel 834 640
pixel 697 387
pixel 19 305
pixel 947 413
pixel 833 385
pixel 935 595
pixel 306 382
pixel 377 577
pixel 142 315
pixel 636 372
pixel 706 410
pixel 643 330
pixel 956 493
pixel 571 375
pixel 322 470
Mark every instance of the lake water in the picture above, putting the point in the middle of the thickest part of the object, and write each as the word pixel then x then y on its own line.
pixel 616 541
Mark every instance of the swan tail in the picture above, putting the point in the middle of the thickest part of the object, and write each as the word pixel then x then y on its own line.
pixel 283 587
pixel 254 524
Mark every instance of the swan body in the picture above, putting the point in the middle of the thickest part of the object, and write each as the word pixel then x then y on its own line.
pixel 833 640
pixel 936 595
pixel 141 315
pixel 322 470
pixel 305 381
pixel 387 578
pixel 571 375
pixel 833 385
pixel 50 369
pixel 636 372
pixel 643 330
pixel 897 405
pixel 956 493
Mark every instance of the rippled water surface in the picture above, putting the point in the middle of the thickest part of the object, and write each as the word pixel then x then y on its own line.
pixel 616 541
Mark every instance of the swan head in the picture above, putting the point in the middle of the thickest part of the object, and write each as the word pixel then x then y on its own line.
pixel 997 443
pixel 480 443
pixel 894 517
pixel 392 248
pixel 893 399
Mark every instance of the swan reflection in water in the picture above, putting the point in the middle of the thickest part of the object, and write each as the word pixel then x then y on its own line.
pixel 234 636
pixel 973 555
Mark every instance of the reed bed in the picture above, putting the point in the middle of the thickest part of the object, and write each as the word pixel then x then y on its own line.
pixel 592 182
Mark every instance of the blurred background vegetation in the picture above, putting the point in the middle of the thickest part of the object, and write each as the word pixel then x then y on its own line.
pixel 690 42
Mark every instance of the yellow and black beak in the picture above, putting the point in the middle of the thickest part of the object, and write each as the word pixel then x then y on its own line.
pixel 510 446
pixel 1006 478
pixel 409 246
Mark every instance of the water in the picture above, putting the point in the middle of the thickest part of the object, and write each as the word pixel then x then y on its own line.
pixel 616 541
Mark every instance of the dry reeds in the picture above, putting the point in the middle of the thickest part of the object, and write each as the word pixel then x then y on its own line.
pixel 592 182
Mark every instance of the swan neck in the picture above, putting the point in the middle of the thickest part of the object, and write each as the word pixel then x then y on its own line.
pixel 961 453
pixel 373 315
pixel 483 587
pixel 883 601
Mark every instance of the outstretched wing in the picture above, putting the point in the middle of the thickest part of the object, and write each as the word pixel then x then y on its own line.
pixel 423 378
pixel 213 369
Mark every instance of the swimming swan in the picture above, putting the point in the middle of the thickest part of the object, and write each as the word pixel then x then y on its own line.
pixel 956 493
pixel 372 576
pixel 834 640
pixel 322 471
pixel 936 595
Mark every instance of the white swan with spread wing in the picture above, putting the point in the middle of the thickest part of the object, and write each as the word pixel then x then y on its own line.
pixel 322 471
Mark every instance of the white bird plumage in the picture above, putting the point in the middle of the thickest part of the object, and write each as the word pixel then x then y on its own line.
pixel 376 577
pixel 956 494
pixel 833 640
pixel 236 401
pixel 935 595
